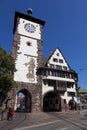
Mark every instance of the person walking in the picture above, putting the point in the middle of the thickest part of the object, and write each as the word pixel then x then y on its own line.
pixel 11 113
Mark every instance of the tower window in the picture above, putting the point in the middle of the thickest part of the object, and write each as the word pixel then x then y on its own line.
pixel 28 43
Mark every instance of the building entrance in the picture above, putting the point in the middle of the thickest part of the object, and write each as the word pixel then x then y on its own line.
pixel 52 102
pixel 72 105
pixel 23 101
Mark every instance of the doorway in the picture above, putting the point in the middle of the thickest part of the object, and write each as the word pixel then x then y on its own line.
pixel 52 102
pixel 23 101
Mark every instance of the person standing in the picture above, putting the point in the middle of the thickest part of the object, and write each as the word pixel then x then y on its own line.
pixel 11 113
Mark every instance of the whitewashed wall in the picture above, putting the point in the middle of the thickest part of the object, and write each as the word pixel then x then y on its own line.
pixel 25 52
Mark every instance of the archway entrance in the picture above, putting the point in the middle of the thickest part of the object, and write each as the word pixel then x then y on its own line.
pixel 52 102
pixel 23 101
pixel 72 105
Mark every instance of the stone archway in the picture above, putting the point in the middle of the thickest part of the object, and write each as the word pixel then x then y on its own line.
pixel 52 102
pixel 23 101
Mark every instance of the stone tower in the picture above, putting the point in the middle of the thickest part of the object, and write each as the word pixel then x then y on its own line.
pixel 27 52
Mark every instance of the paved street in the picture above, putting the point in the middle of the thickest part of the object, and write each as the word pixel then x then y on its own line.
pixel 47 121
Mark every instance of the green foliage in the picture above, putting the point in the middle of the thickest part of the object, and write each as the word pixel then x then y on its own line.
pixel 7 69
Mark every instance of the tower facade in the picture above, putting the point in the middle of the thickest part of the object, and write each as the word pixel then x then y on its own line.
pixel 27 52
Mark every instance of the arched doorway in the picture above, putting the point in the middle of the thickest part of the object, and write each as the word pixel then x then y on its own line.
pixel 72 105
pixel 52 102
pixel 23 101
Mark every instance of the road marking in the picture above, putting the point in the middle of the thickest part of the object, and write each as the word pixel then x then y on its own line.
pixel 33 126
pixel 63 128
pixel 75 123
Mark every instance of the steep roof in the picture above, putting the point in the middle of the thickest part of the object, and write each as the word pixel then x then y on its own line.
pixel 60 53
pixel 46 60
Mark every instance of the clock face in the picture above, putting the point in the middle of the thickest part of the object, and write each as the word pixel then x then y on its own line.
pixel 30 27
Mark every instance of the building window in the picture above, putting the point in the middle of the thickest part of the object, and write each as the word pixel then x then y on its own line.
pixel 64 68
pixel 51 66
pixel 69 85
pixel 58 67
pixel 60 61
pixel 72 76
pixel 61 84
pixel 49 72
pixel 52 83
pixel 67 75
pixel 54 73
pixel 44 73
pixel 71 94
pixel 57 54
pixel 55 60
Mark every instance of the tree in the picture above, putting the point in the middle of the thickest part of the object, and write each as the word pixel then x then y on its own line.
pixel 7 69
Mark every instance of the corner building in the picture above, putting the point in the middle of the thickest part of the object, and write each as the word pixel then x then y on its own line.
pixel 49 84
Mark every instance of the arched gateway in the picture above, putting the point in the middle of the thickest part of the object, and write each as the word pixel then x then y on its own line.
pixel 23 101
pixel 51 102
pixel 27 97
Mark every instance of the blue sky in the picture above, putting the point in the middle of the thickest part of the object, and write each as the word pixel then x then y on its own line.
pixel 66 28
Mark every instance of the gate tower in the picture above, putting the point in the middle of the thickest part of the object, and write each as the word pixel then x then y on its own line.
pixel 27 52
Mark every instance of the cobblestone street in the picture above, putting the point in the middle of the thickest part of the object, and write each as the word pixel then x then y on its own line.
pixel 23 120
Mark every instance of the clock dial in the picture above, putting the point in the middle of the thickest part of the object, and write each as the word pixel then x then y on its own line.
pixel 30 27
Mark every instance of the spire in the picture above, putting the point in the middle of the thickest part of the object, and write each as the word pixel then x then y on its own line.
pixel 29 12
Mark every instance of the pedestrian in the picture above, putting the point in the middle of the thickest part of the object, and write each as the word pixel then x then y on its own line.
pixel 11 113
